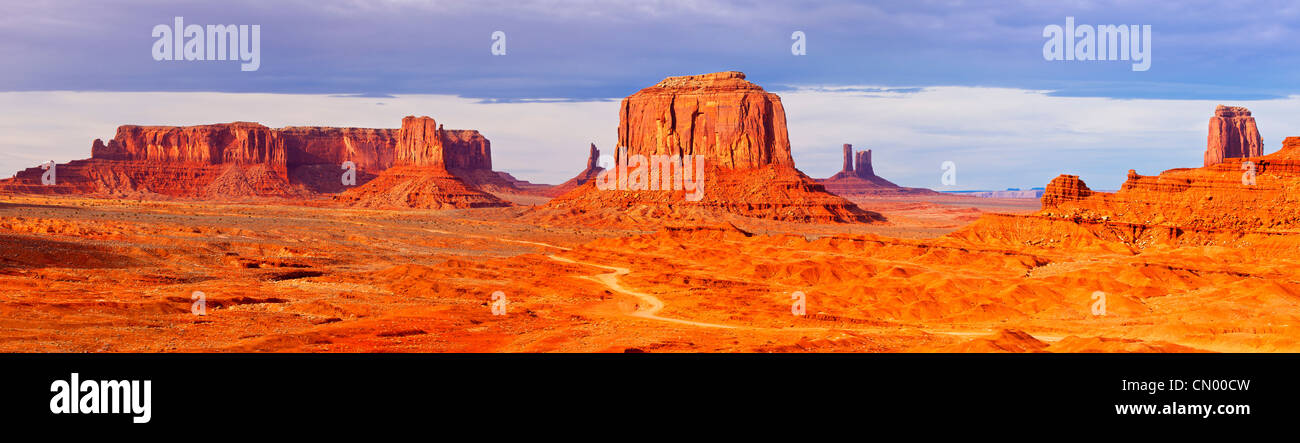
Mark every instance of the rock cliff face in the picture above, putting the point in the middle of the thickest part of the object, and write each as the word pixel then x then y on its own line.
pixel 739 131
pixel 242 159
pixel 241 143
pixel 864 169
pixel 1232 135
pixel 467 150
pixel 848 159
pixel 424 142
pixel 371 149
pixel 733 122
pixel 1065 189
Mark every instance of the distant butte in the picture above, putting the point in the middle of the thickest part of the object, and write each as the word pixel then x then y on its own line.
pixel 1232 134
pixel 858 178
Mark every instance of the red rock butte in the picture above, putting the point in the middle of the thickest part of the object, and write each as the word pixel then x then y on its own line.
pixel 739 129
pixel 424 174
pixel 858 178
pixel 1232 134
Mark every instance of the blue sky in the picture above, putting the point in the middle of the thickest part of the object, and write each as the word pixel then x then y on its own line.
pixel 919 55
pixel 590 49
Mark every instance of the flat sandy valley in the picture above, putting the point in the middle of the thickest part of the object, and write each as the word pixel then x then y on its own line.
pixel 103 275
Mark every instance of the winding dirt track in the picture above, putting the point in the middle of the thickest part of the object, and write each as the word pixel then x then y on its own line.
pixel 651 305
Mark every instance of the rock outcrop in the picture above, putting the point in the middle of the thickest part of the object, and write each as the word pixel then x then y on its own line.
pixel 1066 188
pixel 588 174
pixel 240 143
pixel 1240 201
pixel 736 127
pixel 243 159
pixel 858 178
pixel 424 142
pixel 434 169
pixel 418 187
pixel 863 159
pixel 1233 134
pixel 734 123
pixel 847 167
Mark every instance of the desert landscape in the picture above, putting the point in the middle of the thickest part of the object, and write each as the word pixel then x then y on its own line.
pixel 430 249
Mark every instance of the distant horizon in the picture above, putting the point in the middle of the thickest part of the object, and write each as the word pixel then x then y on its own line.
pixel 999 138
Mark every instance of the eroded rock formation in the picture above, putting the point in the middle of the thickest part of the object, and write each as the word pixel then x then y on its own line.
pixel 434 169
pixel 739 130
pixel 733 122
pixel 863 169
pixel 858 178
pixel 1233 134
pixel 1239 201
pixel 1066 188
pixel 588 174
pixel 243 159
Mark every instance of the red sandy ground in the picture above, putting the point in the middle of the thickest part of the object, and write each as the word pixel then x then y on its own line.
pixel 100 275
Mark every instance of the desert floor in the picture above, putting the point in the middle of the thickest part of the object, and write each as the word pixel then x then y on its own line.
pixel 101 275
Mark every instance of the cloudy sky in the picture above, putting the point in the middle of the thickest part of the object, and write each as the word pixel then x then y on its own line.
pixel 919 82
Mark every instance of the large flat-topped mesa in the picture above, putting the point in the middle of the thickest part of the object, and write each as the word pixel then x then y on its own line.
pixel 723 139
pixel 227 143
pixel 733 122
pixel 1232 134
pixel 369 148
pixel 245 159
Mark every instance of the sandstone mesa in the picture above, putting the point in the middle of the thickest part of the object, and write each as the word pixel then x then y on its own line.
pixel 739 129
